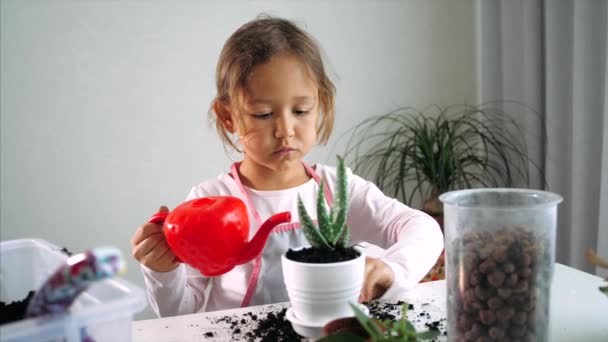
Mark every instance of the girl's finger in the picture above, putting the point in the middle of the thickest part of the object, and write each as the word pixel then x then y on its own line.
pixel 144 247
pixel 144 231
pixel 168 258
pixel 156 254
pixel 368 281
pixel 367 293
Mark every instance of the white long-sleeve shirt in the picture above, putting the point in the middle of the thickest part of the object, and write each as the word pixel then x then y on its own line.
pixel 414 241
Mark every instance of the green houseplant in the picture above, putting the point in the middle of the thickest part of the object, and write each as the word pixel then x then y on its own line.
pixel 418 155
pixel 594 259
pixel 399 330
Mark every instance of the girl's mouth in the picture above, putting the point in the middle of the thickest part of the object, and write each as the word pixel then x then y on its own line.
pixel 285 150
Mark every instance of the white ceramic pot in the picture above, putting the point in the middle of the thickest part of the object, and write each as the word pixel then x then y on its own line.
pixel 319 293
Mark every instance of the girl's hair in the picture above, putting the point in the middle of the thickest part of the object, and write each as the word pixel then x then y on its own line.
pixel 255 43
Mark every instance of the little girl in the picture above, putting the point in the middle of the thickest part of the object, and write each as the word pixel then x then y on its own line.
pixel 274 103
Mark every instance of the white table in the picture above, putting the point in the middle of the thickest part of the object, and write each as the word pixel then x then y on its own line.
pixel 579 312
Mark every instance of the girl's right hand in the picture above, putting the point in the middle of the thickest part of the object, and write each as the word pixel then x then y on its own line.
pixel 150 247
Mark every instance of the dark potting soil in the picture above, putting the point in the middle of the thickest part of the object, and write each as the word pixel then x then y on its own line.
pixel 14 311
pixel 267 327
pixel 322 256
pixel 384 311
pixel 66 251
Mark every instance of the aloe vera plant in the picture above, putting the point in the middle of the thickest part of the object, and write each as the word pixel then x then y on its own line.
pixel 331 231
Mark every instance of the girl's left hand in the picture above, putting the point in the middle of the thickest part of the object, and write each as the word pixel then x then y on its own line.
pixel 378 278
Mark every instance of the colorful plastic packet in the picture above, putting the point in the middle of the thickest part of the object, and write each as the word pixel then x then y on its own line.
pixel 78 272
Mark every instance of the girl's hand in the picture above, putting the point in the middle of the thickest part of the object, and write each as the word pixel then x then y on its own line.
pixel 150 248
pixel 378 278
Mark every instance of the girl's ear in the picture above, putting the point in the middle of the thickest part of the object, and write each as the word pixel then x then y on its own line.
pixel 224 115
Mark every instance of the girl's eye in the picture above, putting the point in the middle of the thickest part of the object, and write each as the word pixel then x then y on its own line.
pixel 301 112
pixel 262 116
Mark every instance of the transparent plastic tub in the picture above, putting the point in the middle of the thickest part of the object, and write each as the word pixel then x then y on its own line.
pixel 104 312
pixel 500 248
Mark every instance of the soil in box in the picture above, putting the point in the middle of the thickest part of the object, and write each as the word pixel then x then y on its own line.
pixel 14 311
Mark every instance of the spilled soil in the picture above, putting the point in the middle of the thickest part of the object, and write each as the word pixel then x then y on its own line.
pixel 273 326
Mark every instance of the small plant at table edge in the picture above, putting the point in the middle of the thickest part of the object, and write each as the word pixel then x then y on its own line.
pixel 597 261
pixel 383 331
pixel 332 232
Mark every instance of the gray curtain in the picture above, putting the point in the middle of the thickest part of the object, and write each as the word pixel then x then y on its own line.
pixel 551 56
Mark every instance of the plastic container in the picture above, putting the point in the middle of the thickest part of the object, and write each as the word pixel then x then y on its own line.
pixel 500 250
pixel 104 312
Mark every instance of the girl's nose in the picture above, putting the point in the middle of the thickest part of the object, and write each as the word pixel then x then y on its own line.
pixel 284 127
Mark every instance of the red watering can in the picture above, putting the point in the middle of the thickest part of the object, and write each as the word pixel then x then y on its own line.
pixel 210 233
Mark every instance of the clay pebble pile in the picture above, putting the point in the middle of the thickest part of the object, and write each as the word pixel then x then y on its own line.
pixel 499 294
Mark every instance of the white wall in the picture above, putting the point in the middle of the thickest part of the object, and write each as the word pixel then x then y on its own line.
pixel 103 103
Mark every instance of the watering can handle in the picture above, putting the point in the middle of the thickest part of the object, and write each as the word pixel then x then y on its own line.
pixel 159 218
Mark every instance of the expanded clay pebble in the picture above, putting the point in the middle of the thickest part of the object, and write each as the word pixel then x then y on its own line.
pixel 499 288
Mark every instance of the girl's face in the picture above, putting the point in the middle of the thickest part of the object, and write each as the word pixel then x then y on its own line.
pixel 280 114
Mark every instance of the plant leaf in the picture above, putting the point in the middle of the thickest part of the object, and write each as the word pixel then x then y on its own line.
pixel 366 322
pixel 325 225
pixel 344 239
pixel 310 229
pixel 340 206
pixel 427 335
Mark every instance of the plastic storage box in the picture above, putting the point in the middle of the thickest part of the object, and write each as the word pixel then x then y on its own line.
pixel 104 312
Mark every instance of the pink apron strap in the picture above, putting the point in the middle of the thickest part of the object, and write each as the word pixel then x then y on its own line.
pixel 328 196
pixel 257 266
pixel 237 179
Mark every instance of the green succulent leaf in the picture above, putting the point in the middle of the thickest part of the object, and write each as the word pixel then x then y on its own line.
pixel 325 225
pixel 344 239
pixel 311 232
pixel 339 209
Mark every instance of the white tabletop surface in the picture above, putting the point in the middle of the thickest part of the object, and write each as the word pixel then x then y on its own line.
pixel 579 312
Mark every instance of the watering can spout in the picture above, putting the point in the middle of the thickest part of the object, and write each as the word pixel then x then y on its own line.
pixel 256 245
